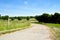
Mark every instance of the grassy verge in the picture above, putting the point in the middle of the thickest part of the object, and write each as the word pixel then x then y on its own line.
pixel 54 27
pixel 15 25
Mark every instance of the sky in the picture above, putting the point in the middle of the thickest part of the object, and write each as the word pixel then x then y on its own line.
pixel 28 7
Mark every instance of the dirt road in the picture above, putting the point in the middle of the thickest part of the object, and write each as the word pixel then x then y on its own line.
pixel 36 32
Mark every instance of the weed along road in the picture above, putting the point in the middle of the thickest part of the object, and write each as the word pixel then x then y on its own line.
pixel 36 32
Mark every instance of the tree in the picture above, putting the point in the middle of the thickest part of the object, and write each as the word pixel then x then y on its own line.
pixel 12 18
pixel 27 17
pixel 5 17
pixel 19 18
pixel 49 18
pixel 43 18
pixel 56 17
pixel 0 16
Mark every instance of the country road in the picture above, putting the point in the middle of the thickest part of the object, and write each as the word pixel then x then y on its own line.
pixel 36 32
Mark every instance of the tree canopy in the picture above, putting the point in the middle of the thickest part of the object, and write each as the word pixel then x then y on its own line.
pixel 45 17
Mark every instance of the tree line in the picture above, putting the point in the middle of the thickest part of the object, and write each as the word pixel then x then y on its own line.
pixel 6 17
pixel 47 18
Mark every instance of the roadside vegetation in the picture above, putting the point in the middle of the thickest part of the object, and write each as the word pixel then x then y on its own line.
pixel 7 27
pixel 4 25
pixel 10 24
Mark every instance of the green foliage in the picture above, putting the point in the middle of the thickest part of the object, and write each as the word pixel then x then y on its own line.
pixel 19 18
pixel 28 18
pixel 12 18
pixel 4 17
pixel 49 18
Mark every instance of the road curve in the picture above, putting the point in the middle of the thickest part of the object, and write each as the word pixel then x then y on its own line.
pixel 36 32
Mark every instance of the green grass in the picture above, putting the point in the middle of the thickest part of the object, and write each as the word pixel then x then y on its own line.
pixel 54 25
pixel 5 26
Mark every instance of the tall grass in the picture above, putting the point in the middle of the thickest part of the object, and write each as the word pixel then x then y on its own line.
pixel 3 25
pixel 15 24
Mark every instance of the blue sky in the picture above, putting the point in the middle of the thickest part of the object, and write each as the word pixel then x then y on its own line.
pixel 28 7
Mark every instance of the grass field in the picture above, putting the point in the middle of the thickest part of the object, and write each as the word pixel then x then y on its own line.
pixel 15 24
